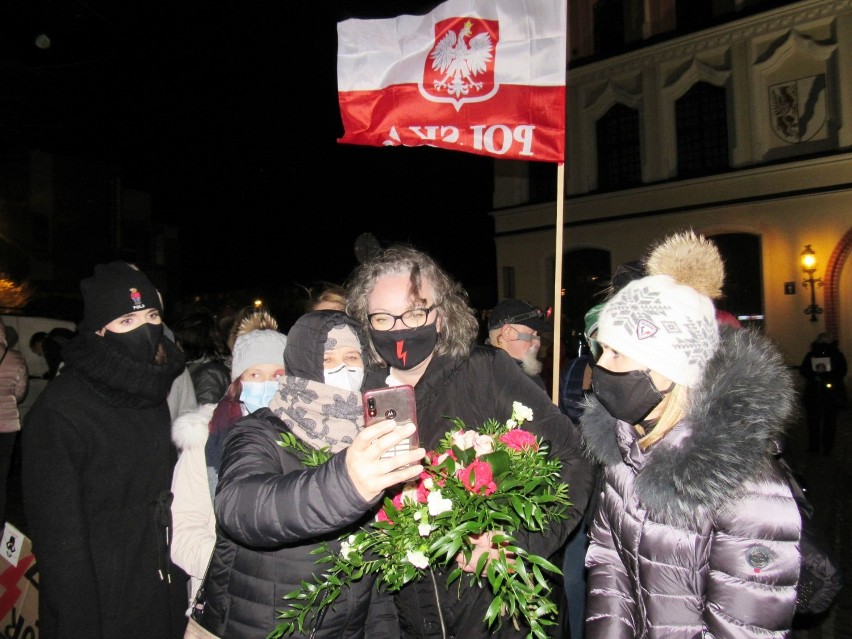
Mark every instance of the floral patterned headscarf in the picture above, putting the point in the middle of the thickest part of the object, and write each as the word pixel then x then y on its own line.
pixel 318 414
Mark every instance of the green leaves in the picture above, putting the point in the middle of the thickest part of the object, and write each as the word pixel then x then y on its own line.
pixel 309 456
pixel 433 523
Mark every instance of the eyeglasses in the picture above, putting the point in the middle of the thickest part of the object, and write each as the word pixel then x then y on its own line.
pixel 526 337
pixel 415 318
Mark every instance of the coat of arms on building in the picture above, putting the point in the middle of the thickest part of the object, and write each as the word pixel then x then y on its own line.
pixel 797 108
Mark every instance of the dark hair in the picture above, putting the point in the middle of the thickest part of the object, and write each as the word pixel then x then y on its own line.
pixel 37 338
pixel 52 347
pixel 197 334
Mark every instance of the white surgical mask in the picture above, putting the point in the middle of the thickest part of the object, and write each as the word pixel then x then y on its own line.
pixel 347 378
pixel 257 394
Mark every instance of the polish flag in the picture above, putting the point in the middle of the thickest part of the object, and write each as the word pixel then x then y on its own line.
pixel 478 76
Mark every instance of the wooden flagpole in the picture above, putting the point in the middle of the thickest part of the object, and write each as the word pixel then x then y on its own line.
pixel 557 280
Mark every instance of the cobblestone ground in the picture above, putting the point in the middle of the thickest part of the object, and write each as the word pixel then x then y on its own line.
pixel 828 481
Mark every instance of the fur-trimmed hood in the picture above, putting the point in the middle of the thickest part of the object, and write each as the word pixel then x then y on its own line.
pixel 734 424
pixel 190 429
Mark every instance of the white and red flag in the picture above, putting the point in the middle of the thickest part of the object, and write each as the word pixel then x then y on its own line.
pixel 479 76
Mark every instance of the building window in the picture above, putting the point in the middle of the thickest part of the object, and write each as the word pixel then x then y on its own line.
pixel 585 280
pixel 618 149
pixel 508 281
pixel 693 15
pixel 701 122
pixel 609 27
pixel 543 176
pixel 743 291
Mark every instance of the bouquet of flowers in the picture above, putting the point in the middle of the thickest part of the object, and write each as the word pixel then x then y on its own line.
pixel 495 481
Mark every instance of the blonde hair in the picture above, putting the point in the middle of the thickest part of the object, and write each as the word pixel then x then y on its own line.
pixel 333 297
pixel 674 408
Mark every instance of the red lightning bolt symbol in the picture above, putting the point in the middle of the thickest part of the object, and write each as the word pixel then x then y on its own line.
pixel 9 581
pixel 400 353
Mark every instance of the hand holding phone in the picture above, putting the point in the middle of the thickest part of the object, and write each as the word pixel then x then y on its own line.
pixel 372 475
pixel 397 403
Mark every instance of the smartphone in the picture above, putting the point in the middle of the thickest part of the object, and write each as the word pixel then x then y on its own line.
pixel 394 402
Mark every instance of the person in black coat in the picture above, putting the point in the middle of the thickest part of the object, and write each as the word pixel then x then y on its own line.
pixel 197 335
pixel 824 396
pixel 97 463
pixel 422 332
pixel 272 510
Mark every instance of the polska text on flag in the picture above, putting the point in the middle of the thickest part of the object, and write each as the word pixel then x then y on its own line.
pixel 479 76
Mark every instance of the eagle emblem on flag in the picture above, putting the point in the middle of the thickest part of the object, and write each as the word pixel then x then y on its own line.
pixel 460 66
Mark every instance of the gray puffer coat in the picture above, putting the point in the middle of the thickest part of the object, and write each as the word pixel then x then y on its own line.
pixel 698 536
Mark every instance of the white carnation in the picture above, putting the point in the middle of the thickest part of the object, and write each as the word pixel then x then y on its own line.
pixel 417 559
pixel 437 504
pixel 521 413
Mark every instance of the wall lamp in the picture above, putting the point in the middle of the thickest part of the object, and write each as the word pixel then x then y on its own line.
pixel 808 267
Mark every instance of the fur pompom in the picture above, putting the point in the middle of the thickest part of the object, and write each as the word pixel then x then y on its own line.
pixel 190 429
pixel 689 259
pixel 258 320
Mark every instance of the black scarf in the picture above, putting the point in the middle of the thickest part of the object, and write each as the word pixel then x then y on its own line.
pixel 118 379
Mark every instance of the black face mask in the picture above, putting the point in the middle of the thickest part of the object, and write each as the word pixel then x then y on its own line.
pixel 406 348
pixel 140 344
pixel 626 396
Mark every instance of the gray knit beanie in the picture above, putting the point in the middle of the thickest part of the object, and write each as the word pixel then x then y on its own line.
pixel 258 342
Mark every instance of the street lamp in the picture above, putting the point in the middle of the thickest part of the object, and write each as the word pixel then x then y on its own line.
pixel 809 266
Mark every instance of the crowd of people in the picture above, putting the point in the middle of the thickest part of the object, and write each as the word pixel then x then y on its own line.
pixel 161 502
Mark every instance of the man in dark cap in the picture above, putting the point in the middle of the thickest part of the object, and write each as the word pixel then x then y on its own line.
pixel 97 464
pixel 516 327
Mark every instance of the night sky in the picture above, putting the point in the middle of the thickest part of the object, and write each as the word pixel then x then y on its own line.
pixel 227 115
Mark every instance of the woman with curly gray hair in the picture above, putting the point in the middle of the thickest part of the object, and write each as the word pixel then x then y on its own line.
pixel 422 332
pixel 450 299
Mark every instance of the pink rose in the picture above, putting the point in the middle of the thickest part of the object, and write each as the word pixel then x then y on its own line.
pixel 478 478
pixel 519 439
pixel 464 439
pixel 481 444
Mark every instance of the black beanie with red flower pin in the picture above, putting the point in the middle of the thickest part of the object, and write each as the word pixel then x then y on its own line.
pixel 114 290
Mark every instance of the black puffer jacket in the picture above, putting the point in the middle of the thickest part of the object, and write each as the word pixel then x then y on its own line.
pixel 272 511
pixel 210 378
pixel 293 509
pixel 482 387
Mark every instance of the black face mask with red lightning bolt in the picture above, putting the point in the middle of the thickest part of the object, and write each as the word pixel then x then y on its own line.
pixel 406 348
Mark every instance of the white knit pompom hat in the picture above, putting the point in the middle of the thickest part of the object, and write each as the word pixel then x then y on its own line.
pixel 667 321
